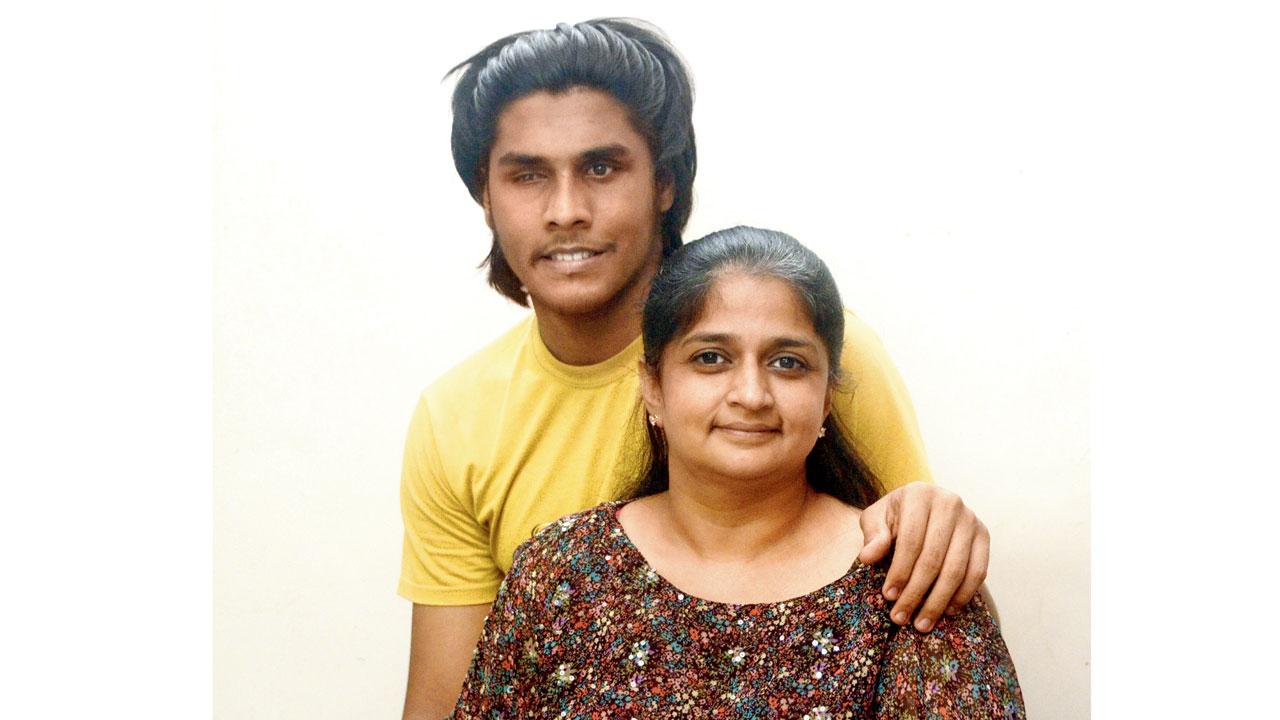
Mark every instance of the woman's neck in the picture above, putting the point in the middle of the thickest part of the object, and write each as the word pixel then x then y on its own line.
pixel 736 521
pixel 741 541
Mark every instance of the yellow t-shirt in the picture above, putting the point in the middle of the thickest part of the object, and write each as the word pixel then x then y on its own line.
pixel 512 439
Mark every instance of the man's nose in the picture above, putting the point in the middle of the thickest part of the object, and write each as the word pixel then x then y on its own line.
pixel 568 204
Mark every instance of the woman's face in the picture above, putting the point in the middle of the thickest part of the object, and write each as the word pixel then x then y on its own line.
pixel 743 392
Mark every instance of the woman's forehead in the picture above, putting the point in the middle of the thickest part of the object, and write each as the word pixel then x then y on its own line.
pixel 743 305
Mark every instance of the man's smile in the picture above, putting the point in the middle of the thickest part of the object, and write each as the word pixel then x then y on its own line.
pixel 571 258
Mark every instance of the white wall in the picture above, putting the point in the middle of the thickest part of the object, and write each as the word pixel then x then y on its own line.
pixel 926 155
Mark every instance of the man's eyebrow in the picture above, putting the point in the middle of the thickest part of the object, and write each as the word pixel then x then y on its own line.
pixel 615 151
pixel 521 159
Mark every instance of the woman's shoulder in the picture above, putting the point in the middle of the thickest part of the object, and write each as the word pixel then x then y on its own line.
pixel 569 560
pixel 568 538
pixel 837 528
pixel 960 669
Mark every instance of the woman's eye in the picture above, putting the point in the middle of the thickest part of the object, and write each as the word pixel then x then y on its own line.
pixel 709 357
pixel 787 362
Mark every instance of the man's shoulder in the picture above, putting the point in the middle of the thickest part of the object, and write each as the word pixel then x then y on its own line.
pixel 856 330
pixel 489 368
pixel 863 349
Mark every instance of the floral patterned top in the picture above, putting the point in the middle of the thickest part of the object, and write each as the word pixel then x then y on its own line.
pixel 583 628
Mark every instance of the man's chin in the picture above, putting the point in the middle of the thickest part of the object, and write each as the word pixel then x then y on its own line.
pixel 583 303
pixel 590 297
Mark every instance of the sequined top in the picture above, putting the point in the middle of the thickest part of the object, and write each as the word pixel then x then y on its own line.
pixel 584 628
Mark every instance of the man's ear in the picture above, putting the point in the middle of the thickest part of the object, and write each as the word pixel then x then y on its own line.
pixel 650 392
pixel 666 195
pixel 488 208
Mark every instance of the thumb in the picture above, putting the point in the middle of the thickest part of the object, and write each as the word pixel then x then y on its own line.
pixel 877 538
pixel 876 546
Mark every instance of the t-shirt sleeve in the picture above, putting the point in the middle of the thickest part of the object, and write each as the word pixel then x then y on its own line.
pixel 446 559
pixel 873 407
pixel 960 670
pixel 500 680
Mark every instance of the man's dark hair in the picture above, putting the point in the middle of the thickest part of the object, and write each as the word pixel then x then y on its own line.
pixel 628 59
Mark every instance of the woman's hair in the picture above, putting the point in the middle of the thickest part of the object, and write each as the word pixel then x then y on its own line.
pixel 677 299
pixel 629 59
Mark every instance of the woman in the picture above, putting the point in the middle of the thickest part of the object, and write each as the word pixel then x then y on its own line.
pixel 729 586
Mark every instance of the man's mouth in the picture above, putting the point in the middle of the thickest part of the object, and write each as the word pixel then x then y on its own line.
pixel 571 259
pixel 571 255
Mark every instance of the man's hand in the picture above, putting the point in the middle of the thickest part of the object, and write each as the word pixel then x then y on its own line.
pixel 941 543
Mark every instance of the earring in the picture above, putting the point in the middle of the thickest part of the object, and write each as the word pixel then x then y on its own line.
pixel 653 421
pixel 822 431
pixel 524 290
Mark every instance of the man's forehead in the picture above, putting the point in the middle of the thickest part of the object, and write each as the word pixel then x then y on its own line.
pixel 567 124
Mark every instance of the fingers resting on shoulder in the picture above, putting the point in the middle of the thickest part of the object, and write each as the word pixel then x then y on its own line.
pixel 940 551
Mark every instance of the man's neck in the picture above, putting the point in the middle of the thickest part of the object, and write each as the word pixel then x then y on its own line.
pixel 586 341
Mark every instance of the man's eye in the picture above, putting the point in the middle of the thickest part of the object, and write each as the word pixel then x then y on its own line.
pixel 526 177
pixel 599 170
pixel 709 357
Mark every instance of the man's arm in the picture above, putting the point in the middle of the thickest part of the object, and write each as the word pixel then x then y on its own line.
pixel 446 570
pixel 940 543
pixel 440 647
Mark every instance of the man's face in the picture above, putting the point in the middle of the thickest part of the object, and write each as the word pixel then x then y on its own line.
pixel 572 199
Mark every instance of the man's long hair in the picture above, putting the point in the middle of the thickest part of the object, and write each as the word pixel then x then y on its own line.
pixel 628 59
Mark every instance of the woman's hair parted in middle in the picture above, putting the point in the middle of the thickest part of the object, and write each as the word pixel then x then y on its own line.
pixel 677 299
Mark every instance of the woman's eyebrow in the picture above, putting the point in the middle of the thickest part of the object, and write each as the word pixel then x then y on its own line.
pixel 727 338
pixel 788 342
pixel 715 338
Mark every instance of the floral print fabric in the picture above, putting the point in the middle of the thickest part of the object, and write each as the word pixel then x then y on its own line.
pixel 584 628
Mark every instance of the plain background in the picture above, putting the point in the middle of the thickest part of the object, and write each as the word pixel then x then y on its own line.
pixel 1165 183
pixel 927 156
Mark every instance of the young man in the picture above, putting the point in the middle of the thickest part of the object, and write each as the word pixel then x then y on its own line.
pixel 578 143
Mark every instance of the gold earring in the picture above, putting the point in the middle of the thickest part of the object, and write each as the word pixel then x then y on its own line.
pixel 653 420
pixel 822 431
